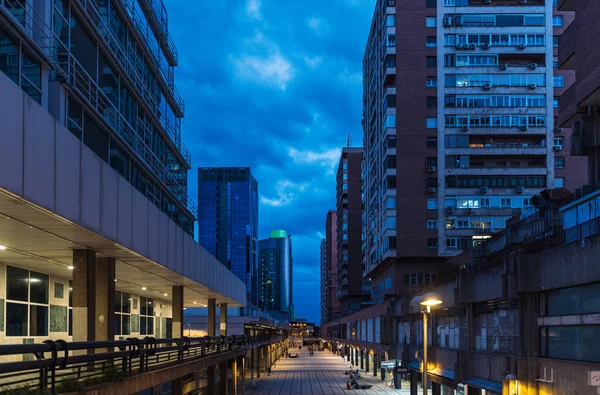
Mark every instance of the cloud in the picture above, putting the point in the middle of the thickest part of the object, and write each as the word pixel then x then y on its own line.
pixel 253 9
pixel 273 70
pixel 265 91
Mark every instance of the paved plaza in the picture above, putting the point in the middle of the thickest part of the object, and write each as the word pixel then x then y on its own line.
pixel 322 373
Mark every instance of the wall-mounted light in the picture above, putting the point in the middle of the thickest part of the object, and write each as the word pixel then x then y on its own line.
pixel 71 267
pixel 2 248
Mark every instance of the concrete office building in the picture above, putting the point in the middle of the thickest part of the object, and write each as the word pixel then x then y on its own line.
pixel 228 222
pixel 96 226
pixel 276 275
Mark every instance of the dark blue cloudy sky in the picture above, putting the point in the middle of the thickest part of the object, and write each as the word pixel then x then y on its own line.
pixel 275 85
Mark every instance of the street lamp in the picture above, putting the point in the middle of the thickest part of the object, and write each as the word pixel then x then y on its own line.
pixel 427 300
pixel 512 384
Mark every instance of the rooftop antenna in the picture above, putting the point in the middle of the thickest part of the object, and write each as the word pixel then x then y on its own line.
pixel 348 141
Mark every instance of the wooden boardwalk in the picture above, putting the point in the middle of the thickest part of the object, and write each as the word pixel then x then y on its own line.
pixel 322 373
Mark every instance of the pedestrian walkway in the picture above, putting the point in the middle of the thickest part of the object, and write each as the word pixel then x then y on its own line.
pixel 322 373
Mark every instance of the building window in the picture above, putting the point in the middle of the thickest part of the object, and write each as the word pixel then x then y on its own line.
pixel 377 329
pixel 431 41
pixel 432 204
pixel 559 81
pixel 122 313
pixel 555 102
pixel 388 283
pixel 431 102
pixel 577 342
pixel 497 331
pixel 431 123
pixel 413 279
pixel 432 244
pixel 555 41
pixel 22 69
pixel 431 62
pixel 146 316
pixel 555 61
pixel 559 182
pixel 432 142
pixel 390 20
pixel 431 224
pixel 449 331
pixel 557 21
pixel 70 329
pixel 430 3
pixel 431 82
pixel 26 303
pixel 559 162
pixel 430 21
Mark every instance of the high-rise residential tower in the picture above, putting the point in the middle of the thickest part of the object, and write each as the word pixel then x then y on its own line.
pixel 276 275
pixel 331 303
pixel 349 255
pixel 477 137
pixel 324 278
pixel 228 221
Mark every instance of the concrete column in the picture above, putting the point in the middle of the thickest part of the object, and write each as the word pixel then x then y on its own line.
pixel 252 358
pixel 362 359
pixel 375 365
pixel 223 311
pixel 234 377
pixel 93 296
pixel 414 382
pixel 177 301
pixel 223 378
pixel 242 363
pixel 210 380
pixel 258 352
pixel 436 389
pixel 352 356
pixel 212 317
pixel 367 362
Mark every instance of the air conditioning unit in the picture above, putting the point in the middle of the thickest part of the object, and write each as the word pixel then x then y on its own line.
pixel 487 46
pixel 532 86
pixel 520 189
pixel 483 189
pixel 524 128
pixel 431 169
pixel 472 46
pixel 521 46
pixel 449 210
pixel 558 130
pixel 431 190
pixel 504 66
pixel 460 46
pixel 458 21
pixel 448 21
pixel 470 210
pixel 533 66
pixel 465 129
pixel 487 86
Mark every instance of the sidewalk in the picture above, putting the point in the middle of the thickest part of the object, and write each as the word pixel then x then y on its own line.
pixel 322 373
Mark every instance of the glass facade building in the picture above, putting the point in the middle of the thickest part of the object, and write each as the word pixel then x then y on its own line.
pixel 228 221
pixel 275 279
pixel 105 69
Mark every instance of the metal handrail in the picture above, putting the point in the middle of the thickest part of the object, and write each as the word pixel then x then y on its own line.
pixel 154 11
pixel 55 361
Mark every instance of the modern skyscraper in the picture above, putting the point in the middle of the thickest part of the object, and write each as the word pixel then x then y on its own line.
pixel 329 246
pixel 228 221
pixel 276 275
pixel 480 138
pixel 349 257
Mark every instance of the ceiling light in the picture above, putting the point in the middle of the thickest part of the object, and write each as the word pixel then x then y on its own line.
pixel 2 248
pixel 143 288
pixel 71 267
pixel 115 280
pixel 166 294
pixel 195 302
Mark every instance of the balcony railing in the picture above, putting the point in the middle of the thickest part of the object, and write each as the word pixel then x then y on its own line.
pixel 155 10
pixel 58 365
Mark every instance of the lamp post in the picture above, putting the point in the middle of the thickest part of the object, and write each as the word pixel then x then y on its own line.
pixel 426 301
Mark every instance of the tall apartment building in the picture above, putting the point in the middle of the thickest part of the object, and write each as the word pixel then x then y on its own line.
pixel 478 138
pixel 228 221
pixel 329 281
pixel 276 275
pixel 349 257
pixel 579 105
pixel 323 266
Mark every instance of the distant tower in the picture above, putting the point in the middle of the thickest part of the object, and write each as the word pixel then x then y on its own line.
pixel 275 278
